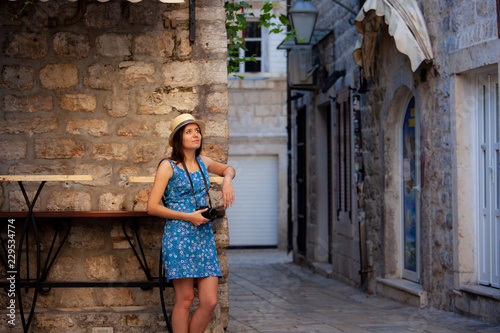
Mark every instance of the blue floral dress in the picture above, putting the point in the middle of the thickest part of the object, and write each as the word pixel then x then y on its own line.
pixel 188 250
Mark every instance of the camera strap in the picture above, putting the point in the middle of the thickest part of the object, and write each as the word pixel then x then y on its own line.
pixel 192 186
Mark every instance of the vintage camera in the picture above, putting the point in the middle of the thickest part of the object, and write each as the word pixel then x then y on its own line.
pixel 210 214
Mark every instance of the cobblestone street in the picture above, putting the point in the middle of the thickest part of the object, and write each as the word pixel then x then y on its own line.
pixel 267 293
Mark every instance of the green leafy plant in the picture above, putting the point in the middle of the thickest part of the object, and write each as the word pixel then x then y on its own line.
pixel 236 22
pixel 20 11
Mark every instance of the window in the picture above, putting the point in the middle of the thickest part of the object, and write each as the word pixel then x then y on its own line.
pixel 345 158
pixel 254 42
pixel 410 218
pixel 489 187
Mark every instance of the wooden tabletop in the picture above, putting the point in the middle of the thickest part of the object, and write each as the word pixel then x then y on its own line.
pixel 144 179
pixel 41 178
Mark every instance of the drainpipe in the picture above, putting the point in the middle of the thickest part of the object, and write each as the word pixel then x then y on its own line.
pixel 289 150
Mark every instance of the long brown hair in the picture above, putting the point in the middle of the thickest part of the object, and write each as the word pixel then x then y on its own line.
pixel 177 148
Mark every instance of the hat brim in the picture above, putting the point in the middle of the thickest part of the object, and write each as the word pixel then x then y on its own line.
pixel 200 123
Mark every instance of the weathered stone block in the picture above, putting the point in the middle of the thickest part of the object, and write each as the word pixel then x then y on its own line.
pixel 87 237
pixel 12 150
pixel 117 106
pixel 77 297
pixel 13 103
pixel 51 148
pixel 162 128
pixel 79 102
pixel 114 45
pixel 132 129
pixel 133 270
pixel 221 240
pixel 18 204
pixel 36 169
pixel 71 45
pixel 27 46
pixel 136 72
pixel 57 76
pixel 94 127
pixel 101 174
pixel 100 76
pixel 212 13
pixel 155 44
pixel 117 297
pixel 124 173
pixel 217 102
pixel 184 44
pixel 110 151
pixel 102 15
pixel 161 102
pixel 18 77
pixel 194 73
pixel 31 125
pixel 217 129
pixel 118 236
pixel 109 201
pixel 69 200
pixel 145 151
pixel 215 151
pixel 102 268
pixel 141 200
pixel 212 37
pixel 140 14
pixel 54 322
pixel 64 269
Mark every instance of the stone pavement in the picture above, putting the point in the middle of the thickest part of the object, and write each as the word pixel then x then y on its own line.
pixel 268 293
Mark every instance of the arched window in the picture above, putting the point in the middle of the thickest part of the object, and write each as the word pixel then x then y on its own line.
pixel 410 217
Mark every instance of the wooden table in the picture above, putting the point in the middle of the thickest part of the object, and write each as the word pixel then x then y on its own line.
pixel 16 269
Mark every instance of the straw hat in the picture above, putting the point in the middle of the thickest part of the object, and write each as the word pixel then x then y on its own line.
pixel 182 120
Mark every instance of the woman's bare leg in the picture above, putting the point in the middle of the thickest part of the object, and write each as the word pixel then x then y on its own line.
pixel 184 295
pixel 207 290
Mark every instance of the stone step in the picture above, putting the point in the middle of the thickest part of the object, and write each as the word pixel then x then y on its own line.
pixel 403 291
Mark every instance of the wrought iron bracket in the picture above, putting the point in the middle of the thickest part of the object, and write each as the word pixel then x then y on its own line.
pixel 192 20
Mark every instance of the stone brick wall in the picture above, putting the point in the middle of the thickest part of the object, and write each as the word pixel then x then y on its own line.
pixel 464 39
pixel 97 97
pixel 257 107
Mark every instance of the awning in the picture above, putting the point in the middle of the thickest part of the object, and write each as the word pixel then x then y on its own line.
pixel 405 23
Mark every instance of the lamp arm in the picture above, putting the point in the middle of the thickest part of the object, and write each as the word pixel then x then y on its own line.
pixel 346 8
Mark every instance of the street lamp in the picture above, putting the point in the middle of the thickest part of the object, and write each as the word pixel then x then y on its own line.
pixel 303 19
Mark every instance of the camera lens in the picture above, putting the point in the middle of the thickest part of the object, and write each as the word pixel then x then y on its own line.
pixel 211 214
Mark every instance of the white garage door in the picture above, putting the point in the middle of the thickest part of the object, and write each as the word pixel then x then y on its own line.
pixel 253 219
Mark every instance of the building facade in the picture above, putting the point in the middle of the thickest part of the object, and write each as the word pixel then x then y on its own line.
pixel 258 139
pixel 395 152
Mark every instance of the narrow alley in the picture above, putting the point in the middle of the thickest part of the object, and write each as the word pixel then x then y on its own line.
pixel 268 293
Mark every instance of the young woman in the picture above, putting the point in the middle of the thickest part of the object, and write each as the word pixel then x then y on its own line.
pixel 188 245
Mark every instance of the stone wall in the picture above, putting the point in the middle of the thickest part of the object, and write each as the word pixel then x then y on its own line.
pixel 464 39
pixel 97 97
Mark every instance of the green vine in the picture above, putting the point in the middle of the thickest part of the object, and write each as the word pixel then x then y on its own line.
pixel 19 12
pixel 236 22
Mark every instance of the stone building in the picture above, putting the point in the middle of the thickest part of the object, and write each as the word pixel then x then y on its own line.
pixel 396 159
pixel 258 139
pixel 90 88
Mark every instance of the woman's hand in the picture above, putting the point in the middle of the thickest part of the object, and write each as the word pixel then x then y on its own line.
pixel 196 218
pixel 227 192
